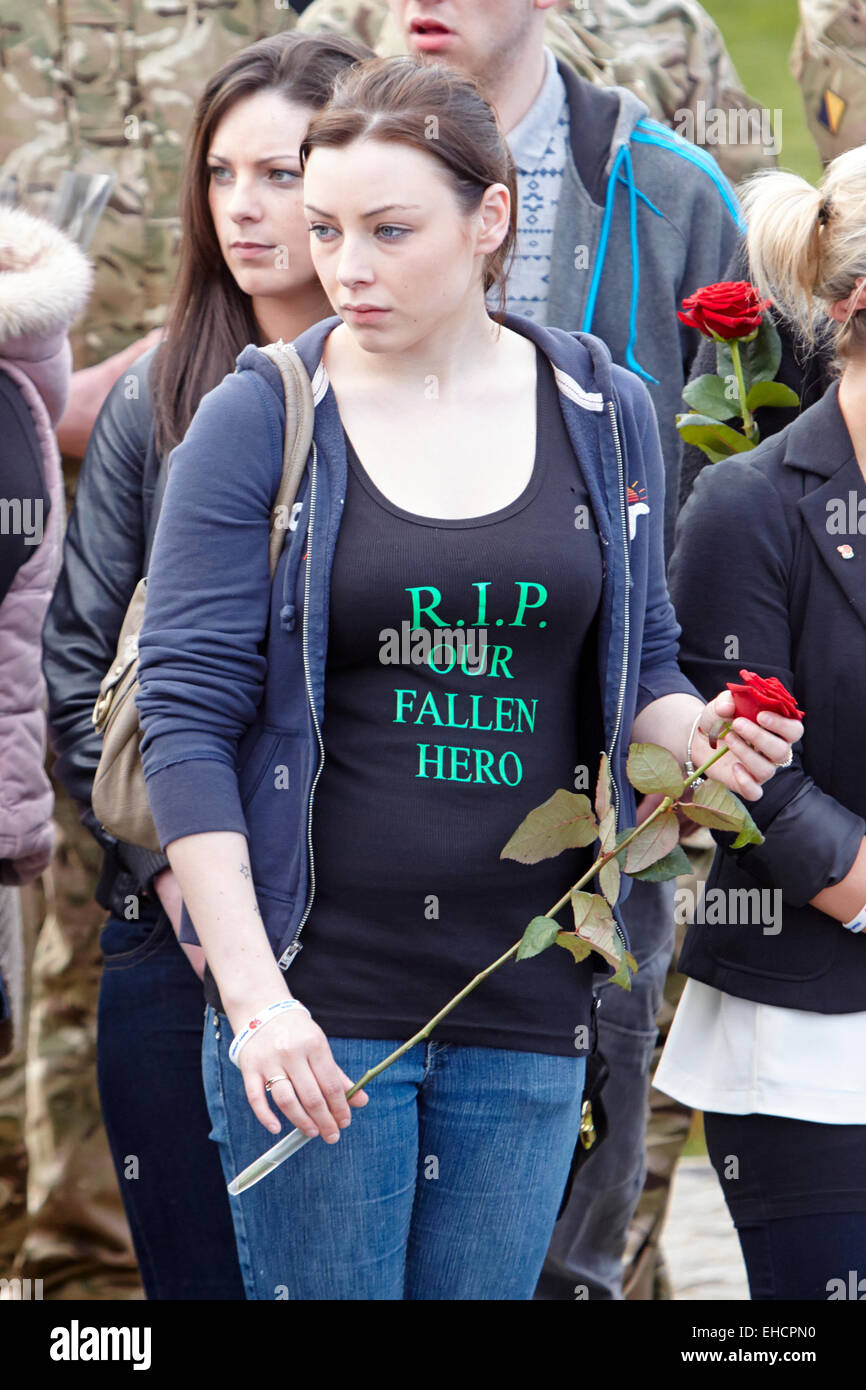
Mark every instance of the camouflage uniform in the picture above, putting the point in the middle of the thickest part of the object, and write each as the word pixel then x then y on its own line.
pixel 644 1274
pixel 673 56
pixel 110 86
pixel 101 86
pixel 13 1153
pixel 829 62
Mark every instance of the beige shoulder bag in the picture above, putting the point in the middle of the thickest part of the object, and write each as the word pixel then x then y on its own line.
pixel 119 795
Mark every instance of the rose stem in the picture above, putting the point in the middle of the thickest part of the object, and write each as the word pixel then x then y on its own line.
pixel 748 422
pixel 482 975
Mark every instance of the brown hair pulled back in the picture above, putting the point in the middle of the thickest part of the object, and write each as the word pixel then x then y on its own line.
pixel 434 109
pixel 210 319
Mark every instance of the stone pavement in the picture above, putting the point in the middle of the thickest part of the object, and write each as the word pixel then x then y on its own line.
pixel 699 1240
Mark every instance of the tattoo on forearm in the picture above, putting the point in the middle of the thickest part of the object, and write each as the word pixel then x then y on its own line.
pixel 245 870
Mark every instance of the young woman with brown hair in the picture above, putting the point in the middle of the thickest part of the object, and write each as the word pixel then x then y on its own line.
pixel 245 275
pixel 467 474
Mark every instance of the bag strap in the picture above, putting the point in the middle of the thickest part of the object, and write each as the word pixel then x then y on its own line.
pixel 300 413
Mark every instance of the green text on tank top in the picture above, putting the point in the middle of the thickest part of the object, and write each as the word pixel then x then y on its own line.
pixel 440 447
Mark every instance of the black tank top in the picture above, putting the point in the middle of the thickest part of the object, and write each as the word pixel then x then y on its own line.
pixel 460 653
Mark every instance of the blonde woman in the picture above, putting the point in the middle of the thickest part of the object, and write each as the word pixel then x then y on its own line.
pixel 770 1037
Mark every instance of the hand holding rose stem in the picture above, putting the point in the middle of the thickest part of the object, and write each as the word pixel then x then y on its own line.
pixel 296 1139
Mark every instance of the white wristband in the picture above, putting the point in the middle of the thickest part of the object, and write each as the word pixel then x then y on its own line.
pixel 690 767
pixel 261 1018
pixel 857 923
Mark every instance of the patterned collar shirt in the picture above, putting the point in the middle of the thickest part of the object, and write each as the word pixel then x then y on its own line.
pixel 539 147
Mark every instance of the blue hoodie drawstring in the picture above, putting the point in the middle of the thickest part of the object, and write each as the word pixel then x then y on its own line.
pixel 623 156
pixel 648 132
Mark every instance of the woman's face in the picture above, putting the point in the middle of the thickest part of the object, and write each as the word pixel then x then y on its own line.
pixel 397 256
pixel 255 195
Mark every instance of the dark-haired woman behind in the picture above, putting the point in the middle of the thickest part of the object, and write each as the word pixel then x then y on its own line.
pixel 328 810
pixel 245 276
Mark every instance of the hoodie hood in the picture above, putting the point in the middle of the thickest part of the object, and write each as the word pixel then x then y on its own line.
pixel 581 362
pixel 45 282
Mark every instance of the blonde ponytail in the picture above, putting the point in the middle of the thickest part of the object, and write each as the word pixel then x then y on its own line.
pixel 807 246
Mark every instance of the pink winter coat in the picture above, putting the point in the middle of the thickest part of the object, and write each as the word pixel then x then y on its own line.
pixel 45 281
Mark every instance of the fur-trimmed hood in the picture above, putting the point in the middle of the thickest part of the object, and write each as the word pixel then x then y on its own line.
pixel 45 282
pixel 50 279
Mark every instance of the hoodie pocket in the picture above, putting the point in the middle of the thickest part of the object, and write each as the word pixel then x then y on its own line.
pixel 272 792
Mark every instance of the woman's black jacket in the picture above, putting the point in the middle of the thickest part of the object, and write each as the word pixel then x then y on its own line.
pixel 769 574
pixel 105 553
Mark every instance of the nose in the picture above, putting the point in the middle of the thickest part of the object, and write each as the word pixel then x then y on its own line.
pixel 353 267
pixel 243 203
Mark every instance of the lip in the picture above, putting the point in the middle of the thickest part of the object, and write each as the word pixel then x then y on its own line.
pixel 430 40
pixel 364 313
pixel 248 250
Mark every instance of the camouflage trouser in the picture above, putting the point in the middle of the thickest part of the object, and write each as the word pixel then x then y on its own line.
pixel 15 905
pixel 74 1235
pixel 645 1275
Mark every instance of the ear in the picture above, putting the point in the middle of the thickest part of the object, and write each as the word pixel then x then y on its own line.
pixel 493 215
pixel 842 309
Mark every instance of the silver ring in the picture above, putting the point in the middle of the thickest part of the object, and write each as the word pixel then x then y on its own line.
pixel 272 1080
pixel 788 760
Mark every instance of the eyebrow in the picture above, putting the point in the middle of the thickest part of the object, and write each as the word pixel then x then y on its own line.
pixel 374 212
pixel 269 159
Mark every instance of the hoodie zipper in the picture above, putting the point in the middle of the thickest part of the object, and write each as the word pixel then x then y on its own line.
pixel 295 945
pixel 626 622
pixel 626 615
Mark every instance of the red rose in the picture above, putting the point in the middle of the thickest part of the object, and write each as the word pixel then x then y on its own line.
pixel 763 693
pixel 731 309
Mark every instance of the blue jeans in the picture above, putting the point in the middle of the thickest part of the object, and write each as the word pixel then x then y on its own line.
pixel 151 1006
pixel 586 1252
pixel 445 1186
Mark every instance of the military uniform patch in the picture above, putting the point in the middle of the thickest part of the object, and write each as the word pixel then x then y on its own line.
pixel 831 110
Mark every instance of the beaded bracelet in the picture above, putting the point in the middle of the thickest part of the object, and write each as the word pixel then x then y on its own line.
pixel 261 1018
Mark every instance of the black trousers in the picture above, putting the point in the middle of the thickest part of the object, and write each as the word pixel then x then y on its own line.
pixel 151 1015
pixel 797 1194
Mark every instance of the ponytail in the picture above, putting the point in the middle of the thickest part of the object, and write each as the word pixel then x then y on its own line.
pixel 807 247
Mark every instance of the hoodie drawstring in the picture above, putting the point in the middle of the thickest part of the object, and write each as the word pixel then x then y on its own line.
pixel 648 132
pixel 623 157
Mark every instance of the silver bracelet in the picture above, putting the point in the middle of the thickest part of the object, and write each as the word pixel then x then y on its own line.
pixel 690 767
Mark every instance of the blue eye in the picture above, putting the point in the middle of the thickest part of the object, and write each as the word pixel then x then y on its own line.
pixel 389 227
pixel 321 229
pixel 215 169
pixel 290 176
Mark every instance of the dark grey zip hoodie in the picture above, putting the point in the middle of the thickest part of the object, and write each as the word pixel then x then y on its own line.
pixel 644 219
